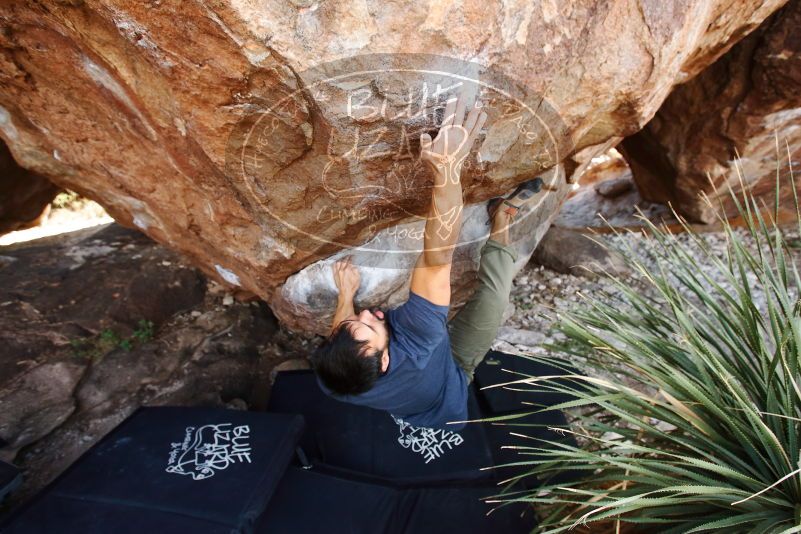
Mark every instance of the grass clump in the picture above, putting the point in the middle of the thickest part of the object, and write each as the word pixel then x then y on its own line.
pixel 107 340
pixel 700 430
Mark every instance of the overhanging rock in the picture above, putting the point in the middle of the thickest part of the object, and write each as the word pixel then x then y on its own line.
pixel 236 132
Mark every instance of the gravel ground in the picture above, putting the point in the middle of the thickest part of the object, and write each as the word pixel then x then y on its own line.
pixel 539 293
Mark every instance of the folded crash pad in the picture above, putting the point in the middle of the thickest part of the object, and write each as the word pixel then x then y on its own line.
pixel 181 469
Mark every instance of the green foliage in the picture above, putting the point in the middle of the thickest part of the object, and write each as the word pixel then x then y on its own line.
pixel 144 330
pixel 700 429
pixel 107 340
pixel 65 199
pixel 109 337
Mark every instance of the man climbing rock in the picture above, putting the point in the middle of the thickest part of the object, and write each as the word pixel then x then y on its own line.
pixel 410 361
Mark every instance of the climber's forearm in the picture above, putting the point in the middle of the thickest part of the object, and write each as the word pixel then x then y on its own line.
pixel 344 309
pixel 444 221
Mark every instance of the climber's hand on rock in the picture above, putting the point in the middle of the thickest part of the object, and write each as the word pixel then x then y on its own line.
pixel 346 277
pixel 448 150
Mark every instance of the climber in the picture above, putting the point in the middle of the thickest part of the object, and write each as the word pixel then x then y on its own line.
pixel 410 361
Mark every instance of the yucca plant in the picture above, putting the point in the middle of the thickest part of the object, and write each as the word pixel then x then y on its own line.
pixel 699 429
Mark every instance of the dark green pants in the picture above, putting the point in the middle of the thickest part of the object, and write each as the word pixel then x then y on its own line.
pixel 474 327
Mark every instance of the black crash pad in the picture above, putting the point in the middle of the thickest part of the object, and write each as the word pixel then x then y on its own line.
pixel 501 368
pixel 54 514
pixel 372 442
pixel 10 478
pixel 332 503
pixel 177 469
pixel 528 428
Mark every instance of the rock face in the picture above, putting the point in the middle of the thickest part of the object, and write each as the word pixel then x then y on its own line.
pixel 308 298
pixel 258 138
pixel 745 104
pixel 84 342
pixel 24 195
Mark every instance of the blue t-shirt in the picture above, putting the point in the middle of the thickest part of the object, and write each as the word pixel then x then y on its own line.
pixel 423 384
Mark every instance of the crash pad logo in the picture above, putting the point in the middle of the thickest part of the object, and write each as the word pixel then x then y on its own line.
pixel 431 443
pixel 209 449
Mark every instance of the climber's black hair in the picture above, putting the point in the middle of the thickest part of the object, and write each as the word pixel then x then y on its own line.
pixel 343 366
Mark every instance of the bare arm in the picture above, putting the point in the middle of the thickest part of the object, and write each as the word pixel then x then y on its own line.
pixel 347 280
pixel 444 157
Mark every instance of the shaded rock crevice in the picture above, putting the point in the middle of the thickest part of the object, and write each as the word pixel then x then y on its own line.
pixel 723 124
pixel 24 195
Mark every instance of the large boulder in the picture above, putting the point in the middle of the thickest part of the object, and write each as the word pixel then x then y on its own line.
pixel 738 120
pixel 258 138
pixel 567 251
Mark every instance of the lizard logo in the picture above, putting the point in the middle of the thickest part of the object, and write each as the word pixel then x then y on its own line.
pixel 211 448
